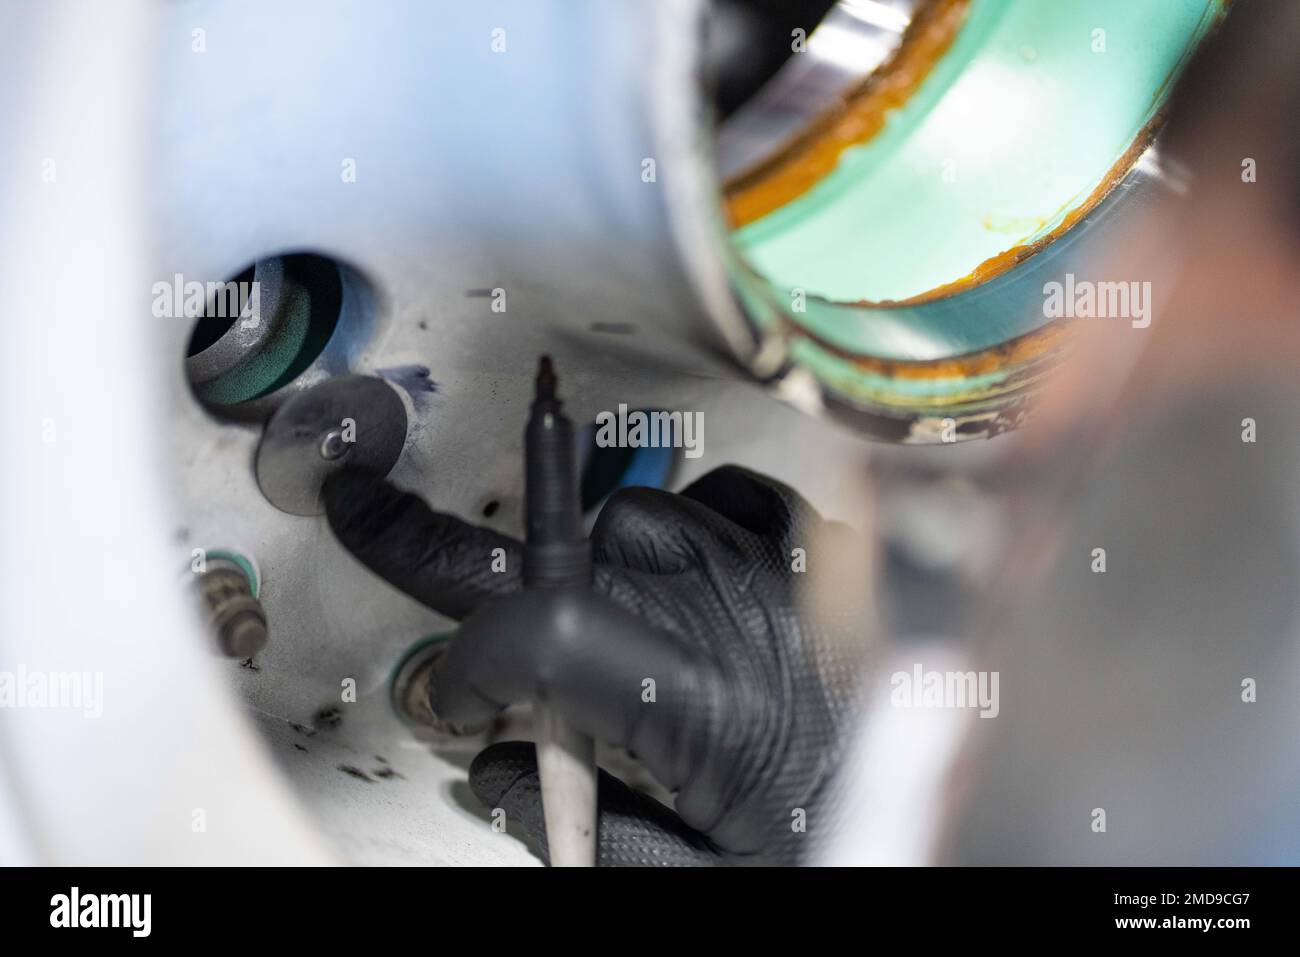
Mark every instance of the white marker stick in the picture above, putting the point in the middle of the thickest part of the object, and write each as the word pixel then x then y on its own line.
pixel 566 766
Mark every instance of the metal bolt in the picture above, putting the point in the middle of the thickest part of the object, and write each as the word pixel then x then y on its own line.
pixel 333 446
pixel 236 619
pixel 410 691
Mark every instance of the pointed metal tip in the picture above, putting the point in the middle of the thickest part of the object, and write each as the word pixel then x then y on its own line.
pixel 546 381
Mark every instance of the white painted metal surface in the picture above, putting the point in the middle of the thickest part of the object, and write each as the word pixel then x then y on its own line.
pixel 196 137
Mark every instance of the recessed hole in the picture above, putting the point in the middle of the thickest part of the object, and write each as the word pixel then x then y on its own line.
pixel 209 329
pixel 264 327
pixel 490 508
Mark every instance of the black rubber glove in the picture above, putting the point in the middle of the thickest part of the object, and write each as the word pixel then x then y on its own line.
pixel 750 696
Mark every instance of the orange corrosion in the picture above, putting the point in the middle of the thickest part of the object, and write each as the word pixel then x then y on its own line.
pixel 1003 261
pixel 807 158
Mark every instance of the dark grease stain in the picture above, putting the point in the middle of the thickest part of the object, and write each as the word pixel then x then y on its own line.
pixel 248 663
pixel 302 729
pixel 299 746
pixel 327 719
pixel 387 773
pixel 357 773
pixel 413 379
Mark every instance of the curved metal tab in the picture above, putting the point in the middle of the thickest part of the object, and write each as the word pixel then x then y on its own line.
pixel 354 421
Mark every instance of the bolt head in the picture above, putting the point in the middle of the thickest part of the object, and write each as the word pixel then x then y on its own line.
pixel 333 446
pixel 244 637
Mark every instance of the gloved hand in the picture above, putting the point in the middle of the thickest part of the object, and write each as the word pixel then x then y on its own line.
pixel 750 696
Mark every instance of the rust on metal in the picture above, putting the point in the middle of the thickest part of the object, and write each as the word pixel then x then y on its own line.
pixel 804 161
pixel 995 266
pixel 1022 350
